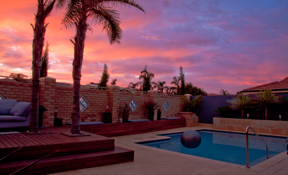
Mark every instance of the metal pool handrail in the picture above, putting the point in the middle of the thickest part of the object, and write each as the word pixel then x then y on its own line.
pixel 247 149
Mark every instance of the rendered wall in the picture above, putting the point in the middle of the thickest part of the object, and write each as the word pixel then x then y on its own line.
pixel 206 113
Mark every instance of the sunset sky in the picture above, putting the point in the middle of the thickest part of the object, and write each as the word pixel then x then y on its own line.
pixel 221 44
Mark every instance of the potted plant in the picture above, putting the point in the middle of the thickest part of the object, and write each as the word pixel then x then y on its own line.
pixel 124 112
pixel 107 116
pixel 151 106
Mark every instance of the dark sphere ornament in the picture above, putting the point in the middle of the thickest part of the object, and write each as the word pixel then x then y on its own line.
pixel 190 139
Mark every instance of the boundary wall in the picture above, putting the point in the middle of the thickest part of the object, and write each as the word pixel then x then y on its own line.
pixel 53 96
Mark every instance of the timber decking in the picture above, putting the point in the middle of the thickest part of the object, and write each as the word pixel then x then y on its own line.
pixel 70 162
pixel 119 129
pixel 36 146
pixel 74 152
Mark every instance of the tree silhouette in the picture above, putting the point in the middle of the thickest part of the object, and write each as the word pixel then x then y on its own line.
pixel 78 12
pixel 265 98
pixel 104 78
pixel 176 81
pixel 39 29
pixel 241 102
pixel 113 82
pixel 45 61
pixel 182 78
pixel 147 78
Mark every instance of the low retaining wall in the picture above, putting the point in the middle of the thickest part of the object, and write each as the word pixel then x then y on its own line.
pixel 260 126
pixel 191 118
pixel 119 129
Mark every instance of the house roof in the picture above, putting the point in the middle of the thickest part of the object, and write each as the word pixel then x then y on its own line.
pixel 276 85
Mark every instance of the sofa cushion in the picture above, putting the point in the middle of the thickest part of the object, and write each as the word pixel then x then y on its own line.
pixel 9 118
pixel 6 105
pixel 20 109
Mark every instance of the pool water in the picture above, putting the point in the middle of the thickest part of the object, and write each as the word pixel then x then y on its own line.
pixel 224 146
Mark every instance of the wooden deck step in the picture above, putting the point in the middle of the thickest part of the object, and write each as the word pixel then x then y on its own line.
pixel 70 162
pixel 36 146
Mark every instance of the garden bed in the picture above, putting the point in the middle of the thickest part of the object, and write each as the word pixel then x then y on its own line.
pixel 119 129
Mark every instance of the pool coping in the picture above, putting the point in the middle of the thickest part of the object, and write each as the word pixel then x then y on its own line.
pixel 152 161
pixel 256 167
pixel 161 138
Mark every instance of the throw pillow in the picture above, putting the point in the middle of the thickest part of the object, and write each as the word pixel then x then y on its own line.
pixel 6 105
pixel 20 109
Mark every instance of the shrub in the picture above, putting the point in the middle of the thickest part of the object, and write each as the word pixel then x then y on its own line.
pixel 151 106
pixel 225 111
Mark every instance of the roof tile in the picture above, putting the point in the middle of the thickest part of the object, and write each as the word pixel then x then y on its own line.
pixel 283 84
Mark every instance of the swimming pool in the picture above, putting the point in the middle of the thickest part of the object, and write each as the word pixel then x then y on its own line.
pixel 224 146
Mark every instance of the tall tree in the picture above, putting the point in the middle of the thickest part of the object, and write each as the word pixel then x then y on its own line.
pixel 182 78
pixel 132 85
pixel 194 90
pixel 170 90
pixel 39 29
pixel 241 102
pixel 223 92
pixel 265 98
pixel 176 81
pixel 159 85
pixel 45 61
pixel 105 77
pixel 147 78
pixel 78 12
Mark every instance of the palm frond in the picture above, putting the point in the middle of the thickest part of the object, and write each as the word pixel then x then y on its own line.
pixel 241 101
pixel 266 97
pixel 123 2
pixel 73 13
pixel 109 18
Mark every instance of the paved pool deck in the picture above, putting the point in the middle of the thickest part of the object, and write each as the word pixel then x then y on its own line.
pixel 153 161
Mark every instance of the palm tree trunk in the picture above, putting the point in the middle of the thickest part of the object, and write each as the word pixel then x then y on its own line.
pixel 79 40
pixel 38 43
pixel 265 112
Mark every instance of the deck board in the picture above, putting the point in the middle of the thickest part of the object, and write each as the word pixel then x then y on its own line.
pixel 35 146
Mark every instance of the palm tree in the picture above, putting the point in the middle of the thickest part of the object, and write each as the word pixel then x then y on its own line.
pixel 176 81
pixel 223 92
pixel 265 98
pixel 132 85
pixel 147 77
pixel 39 28
pixel 170 90
pixel 78 12
pixel 241 102
pixel 159 85
pixel 45 61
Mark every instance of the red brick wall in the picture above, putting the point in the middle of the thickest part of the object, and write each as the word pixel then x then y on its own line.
pixel 52 96
pixel 11 89
pixel 97 99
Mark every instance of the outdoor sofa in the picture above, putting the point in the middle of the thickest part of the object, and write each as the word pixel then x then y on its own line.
pixel 14 114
